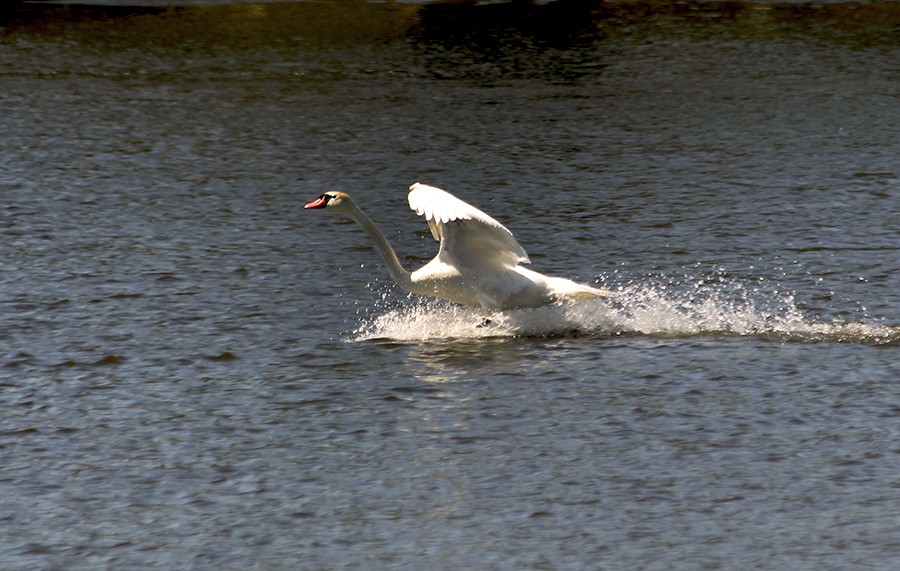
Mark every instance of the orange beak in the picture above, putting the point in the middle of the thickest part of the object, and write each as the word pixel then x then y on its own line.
pixel 320 202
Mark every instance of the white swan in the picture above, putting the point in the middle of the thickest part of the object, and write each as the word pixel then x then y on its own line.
pixel 478 262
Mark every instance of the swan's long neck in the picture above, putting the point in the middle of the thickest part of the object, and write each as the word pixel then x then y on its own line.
pixel 398 272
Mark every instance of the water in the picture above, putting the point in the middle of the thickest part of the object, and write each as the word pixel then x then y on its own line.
pixel 199 374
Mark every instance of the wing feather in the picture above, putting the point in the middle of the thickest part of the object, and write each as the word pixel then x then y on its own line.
pixel 467 235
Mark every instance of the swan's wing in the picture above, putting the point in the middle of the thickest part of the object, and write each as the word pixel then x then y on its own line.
pixel 467 235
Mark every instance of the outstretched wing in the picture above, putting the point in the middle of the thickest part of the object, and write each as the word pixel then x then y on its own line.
pixel 468 236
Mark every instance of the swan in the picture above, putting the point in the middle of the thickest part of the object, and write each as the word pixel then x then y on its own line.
pixel 479 262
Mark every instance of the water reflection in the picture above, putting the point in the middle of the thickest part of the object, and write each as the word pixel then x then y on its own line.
pixel 558 42
pixel 444 360
pixel 236 26
pixel 491 32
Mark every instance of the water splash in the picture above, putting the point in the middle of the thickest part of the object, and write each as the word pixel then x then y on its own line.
pixel 703 308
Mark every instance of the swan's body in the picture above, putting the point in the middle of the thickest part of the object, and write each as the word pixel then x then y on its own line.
pixel 479 261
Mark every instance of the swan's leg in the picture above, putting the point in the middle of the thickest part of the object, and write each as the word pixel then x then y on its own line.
pixel 484 323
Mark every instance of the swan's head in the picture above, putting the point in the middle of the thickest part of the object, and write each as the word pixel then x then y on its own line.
pixel 333 200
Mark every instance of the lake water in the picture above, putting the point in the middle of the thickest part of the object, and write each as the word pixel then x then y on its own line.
pixel 199 374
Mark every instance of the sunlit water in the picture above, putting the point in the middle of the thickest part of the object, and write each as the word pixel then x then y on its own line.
pixel 198 374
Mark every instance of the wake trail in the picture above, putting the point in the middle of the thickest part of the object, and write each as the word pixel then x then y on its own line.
pixel 722 309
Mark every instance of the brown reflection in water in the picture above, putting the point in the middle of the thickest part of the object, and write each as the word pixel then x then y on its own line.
pixel 554 25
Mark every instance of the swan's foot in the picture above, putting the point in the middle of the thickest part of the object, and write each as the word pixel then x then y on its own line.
pixel 484 323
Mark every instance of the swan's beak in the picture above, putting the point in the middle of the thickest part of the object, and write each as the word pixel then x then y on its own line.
pixel 320 202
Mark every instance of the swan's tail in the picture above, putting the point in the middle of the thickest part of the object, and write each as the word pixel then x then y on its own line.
pixel 566 290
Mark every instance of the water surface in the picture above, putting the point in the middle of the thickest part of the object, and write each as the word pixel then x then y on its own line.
pixel 198 374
